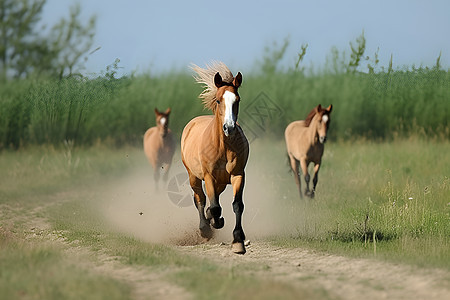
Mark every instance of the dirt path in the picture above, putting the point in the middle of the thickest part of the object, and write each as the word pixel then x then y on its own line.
pixel 340 277
pixel 146 283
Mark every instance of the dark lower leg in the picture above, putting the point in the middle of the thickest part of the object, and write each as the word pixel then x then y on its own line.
pixel 238 209
pixel 307 179
pixel 205 229
pixel 214 211
pixel 315 179
pixel 200 202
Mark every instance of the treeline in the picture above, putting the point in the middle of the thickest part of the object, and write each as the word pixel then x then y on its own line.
pixel 375 105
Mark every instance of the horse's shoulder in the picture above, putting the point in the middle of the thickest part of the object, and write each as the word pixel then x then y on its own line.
pixel 150 132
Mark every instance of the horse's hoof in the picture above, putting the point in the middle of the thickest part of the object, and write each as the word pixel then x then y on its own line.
pixel 219 224
pixel 206 232
pixel 238 248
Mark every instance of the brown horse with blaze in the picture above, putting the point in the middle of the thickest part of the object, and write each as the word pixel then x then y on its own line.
pixel 159 145
pixel 215 150
pixel 305 144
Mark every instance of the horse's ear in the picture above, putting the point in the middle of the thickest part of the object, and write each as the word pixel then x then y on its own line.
pixel 318 108
pixel 156 111
pixel 237 80
pixel 330 108
pixel 218 80
pixel 167 112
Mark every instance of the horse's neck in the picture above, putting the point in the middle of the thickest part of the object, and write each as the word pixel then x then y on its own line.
pixel 214 132
pixel 163 138
pixel 217 134
pixel 312 133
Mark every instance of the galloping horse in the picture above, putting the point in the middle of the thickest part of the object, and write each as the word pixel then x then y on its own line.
pixel 305 144
pixel 214 149
pixel 159 145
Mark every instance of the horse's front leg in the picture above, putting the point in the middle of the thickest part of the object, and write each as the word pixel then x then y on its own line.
pixel 315 179
pixel 238 207
pixel 156 175
pixel 304 166
pixel 200 202
pixel 166 172
pixel 214 211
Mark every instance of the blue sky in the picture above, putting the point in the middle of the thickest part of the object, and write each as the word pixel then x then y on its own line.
pixel 161 35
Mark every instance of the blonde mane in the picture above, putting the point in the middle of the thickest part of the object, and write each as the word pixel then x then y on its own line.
pixel 206 77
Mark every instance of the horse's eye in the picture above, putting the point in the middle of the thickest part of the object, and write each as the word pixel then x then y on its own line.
pixel 218 101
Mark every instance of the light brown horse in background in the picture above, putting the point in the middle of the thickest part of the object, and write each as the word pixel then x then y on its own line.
pixel 159 145
pixel 305 144
pixel 214 149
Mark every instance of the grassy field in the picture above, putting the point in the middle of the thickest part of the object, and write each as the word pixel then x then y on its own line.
pixel 382 200
pixel 386 201
pixel 383 190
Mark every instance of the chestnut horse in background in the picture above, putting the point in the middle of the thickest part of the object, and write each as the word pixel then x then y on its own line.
pixel 215 150
pixel 159 145
pixel 305 144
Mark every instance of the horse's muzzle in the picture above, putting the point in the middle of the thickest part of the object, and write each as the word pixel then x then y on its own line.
pixel 323 139
pixel 228 129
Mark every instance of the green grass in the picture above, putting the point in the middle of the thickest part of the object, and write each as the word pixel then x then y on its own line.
pixel 378 106
pixel 38 270
pixel 396 194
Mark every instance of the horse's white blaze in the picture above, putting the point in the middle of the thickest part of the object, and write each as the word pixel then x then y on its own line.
pixel 163 121
pixel 229 118
pixel 325 118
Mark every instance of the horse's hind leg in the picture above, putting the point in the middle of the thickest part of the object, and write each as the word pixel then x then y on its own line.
pixel 238 207
pixel 214 211
pixel 200 202
pixel 294 167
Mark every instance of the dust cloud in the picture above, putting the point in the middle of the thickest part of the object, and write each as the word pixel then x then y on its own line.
pixel 135 206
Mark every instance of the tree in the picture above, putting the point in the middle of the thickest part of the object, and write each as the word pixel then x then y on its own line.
pixel 71 41
pixel 17 20
pixel 24 51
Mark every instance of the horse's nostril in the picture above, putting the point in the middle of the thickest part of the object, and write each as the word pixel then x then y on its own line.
pixel 225 127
